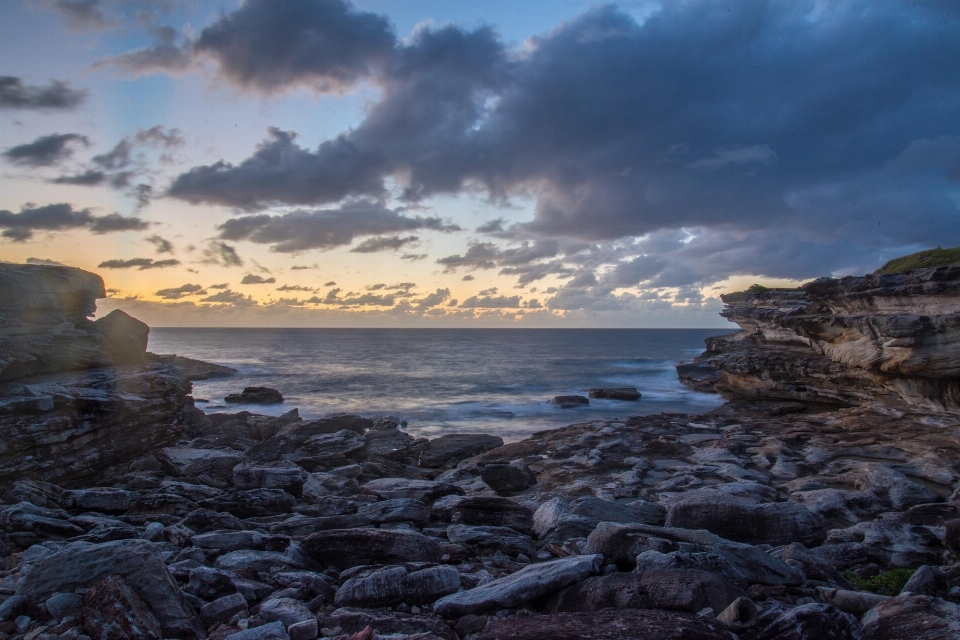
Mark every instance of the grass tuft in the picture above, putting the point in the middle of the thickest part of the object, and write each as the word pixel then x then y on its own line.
pixel 886 583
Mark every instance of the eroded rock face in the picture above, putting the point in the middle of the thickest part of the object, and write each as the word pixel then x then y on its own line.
pixel 609 623
pixel 889 338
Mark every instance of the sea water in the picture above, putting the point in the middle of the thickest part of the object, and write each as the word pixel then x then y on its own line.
pixel 496 381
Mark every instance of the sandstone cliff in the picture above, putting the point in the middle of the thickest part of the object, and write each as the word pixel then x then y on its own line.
pixel 78 396
pixel 892 339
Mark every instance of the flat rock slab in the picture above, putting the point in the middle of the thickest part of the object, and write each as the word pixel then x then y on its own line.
pixel 80 565
pixel 618 393
pixel 912 618
pixel 345 548
pixel 392 585
pixel 530 583
pixel 636 624
pixel 422 490
pixel 452 448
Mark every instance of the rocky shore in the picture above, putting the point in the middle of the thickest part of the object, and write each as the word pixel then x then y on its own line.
pixel 822 502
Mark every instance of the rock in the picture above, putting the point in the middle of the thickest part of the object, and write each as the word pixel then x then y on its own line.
pixel 386 623
pixel 485 510
pixel 622 543
pixel 925 581
pixel 448 450
pixel 261 563
pixel 387 586
pixel 305 630
pixel 422 490
pixel 124 338
pixel 289 611
pixel 490 540
pixel 279 475
pixel 849 601
pixel 676 560
pixel 271 631
pixel 912 618
pixel 63 605
pixel 100 499
pixel 396 510
pixel 688 590
pixel 392 444
pixel 253 503
pixel 744 520
pixel 255 395
pixel 226 541
pixel 322 485
pixel 114 611
pixel 344 548
pixel 272 427
pixel 222 609
pixel 813 566
pixel 210 584
pixel 609 623
pixel 619 393
pixel 507 479
pixel 79 565
pixel 557 520
pixel 809 622
pixel 529 583
pixel 569 402
pixel 186 462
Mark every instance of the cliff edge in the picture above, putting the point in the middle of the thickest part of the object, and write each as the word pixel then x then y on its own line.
pixel 892 339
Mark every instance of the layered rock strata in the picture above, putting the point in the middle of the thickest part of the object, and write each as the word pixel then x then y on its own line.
pixel 892 339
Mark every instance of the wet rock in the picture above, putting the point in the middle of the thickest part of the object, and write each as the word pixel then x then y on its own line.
pixel 448 450
pixel 912 618
pixel 809 622
pixel 507 479
pixel 609 623
pixel 270 428
pixel 529 583
pixel 392 585
pixel 255 395
pixel 81 565
pixel 618 393
pixel 422 490
pixel 343 548
pixel 674 589
pixel 392 444
pixel 569 402
pixel 114 611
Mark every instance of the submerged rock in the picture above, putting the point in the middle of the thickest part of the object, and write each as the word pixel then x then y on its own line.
pixel 618 393
pixel 255 395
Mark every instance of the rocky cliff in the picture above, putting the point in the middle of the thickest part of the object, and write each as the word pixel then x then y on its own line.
pixel 891 339
pixel 78 396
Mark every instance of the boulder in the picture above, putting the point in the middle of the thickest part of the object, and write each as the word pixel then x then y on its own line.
pixel 569 402
pixel 618 393
pixel 100 499
pixel 530 583
pixel 226 541
pixel 254 503
pixel 255 395
pixel 343 548
pixel 396 510
pixel 912 618
pixel 422 490
pixel 446 451
pixel 271 631
pixel 124 338
pixel 507 479
pixel 558 520
pixel 485 511
pixel 79 565
pixel 114 611
pixel 190 463
pixel 635 624
pixel 222 609
pixel 813 621
pixel 491 540
pixel 278 475
pixel 386 623
pixel 387 586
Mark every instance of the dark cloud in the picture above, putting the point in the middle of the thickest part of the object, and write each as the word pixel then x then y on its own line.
pixel 488 292
pixel 162 244
pixel 45 151
pixel 56 95
pixel 219 286
pixel 434 299
pixel 522 260
pixel 480 255
pixel 229 297
pixel 742 120
pixel 330 284
pixel 271 45
pixel 467 278
pixel 141 264
pixel 164 56
pixel 402 286
pixel 389 243
pixel 353 300
pixel 326 228
pixel 83 15
pixel 295 287
pixel 491 302
pixel 222 254
pixel 301 267
pixel 43 261
pixel 414 257
pixel 19 227
pixel 255 279
pixel 175 293
pixel 89 178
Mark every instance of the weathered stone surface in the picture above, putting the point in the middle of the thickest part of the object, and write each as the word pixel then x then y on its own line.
pixel 124 338
pixel 114 611
pixel 289 611
pixel 490 540
pixel 508 479
pixel 448 450
pixel 222 609
pixel 609 623
pixel 279 475
pixel 101 499
pixel 401 583
pixel 255 395
pixel 386 623
pixel 226 541
pixel 912 618
pixel 344 548
pixel 396 510
pixel 262 563
pixel 80 565
pixel 484 510
pixel 618 393
pixel 556 519
pixel 422 490
pixel 809 622
pixel 271 631
pixel 253 503
pixel 189 462
pixel 530 583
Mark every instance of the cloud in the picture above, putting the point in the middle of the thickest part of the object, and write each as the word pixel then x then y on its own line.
pixel 142 264
pixel 330 284
pixel 363 300
pixel 255 279
pixel 45 151
pixel 325 228
pixel 164 56
pixel 414 257
pixel 489 292
pixel 433 299
pixel 43 261
pixel 19 227
pixel 56 95
pixel 229 297
pixel 295 287
pixel 271 45
pixel 184 290
pixel 89 178
pixel 162 244
pixel 82 15
pixel 390 243
pixel 219 286
pixel 480 255
pixel 491 302
pixel 303 267
pixel 222 254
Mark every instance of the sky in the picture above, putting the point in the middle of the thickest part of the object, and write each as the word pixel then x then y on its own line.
pixel 426 163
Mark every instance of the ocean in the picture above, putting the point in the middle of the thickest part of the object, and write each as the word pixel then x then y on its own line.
pixel 496 381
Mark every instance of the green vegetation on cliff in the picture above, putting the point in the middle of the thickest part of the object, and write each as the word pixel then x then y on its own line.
pixel 931 258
